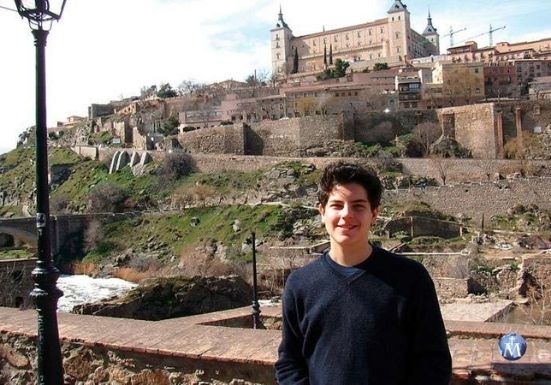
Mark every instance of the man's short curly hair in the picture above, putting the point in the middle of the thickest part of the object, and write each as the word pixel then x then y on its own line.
pixel 340 173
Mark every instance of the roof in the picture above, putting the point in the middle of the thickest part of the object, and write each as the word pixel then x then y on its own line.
pixel 398 6
pixel 342 29
pixel 429 29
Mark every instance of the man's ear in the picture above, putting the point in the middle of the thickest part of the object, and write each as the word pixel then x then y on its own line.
pixel 321 210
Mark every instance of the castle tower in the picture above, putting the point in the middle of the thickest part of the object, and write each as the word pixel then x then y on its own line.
pixel 399 29
pixel 431 35
pixel 281 37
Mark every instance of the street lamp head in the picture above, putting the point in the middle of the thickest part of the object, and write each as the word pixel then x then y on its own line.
pixel 40 13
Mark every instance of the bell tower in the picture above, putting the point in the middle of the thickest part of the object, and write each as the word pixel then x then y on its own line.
pixel 398 31
pixel 432 35
pixel 281 37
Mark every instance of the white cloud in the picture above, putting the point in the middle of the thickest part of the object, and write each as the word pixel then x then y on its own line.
pixel 103 49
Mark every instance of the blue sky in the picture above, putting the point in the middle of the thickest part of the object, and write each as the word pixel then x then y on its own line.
pixel 104 49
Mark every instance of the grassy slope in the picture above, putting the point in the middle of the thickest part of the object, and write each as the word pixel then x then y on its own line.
pixel 177 232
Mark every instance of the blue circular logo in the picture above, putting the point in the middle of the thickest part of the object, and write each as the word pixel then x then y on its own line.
pixel 512 346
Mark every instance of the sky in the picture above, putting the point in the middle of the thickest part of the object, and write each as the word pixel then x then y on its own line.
pixel 104 50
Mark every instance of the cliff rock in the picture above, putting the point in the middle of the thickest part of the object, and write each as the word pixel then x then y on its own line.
pixel 162 298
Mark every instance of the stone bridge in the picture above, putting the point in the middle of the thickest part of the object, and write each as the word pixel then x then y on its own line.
pixel 67 231
pixel 218 348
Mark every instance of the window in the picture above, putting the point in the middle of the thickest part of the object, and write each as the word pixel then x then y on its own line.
pixel 314 43
pixel 476 70
pixel 397 49
pixel 369 32
pixel 346 36
pixel 382 30
pixel 397 34
pixel 359 34
pixel 335 39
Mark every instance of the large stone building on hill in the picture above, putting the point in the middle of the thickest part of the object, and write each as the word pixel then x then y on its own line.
pixel 390 40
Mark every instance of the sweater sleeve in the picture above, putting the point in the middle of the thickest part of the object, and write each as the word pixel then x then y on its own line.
pixel 291 367
pixel 430 356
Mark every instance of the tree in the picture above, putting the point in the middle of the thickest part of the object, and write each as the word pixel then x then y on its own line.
pixel 425 134
pixel 187 87
pixel 175 166
pixel 442 166
pixel 306 105
pixel 107 198
pixel 380 66
pixel 340 68
pixel 170 126
pixel 295 62
pixel 166 91
pixel 147 92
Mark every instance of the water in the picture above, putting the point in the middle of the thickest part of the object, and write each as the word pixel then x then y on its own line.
pixel 79 289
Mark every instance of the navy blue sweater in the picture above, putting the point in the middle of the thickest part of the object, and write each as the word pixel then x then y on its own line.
pixel 380 326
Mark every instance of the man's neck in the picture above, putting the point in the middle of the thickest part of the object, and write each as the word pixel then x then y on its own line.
pixel 350 256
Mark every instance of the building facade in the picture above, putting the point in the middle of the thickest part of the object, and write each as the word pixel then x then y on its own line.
pixel 390 40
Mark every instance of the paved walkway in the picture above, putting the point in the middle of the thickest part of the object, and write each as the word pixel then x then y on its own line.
pixel 473 345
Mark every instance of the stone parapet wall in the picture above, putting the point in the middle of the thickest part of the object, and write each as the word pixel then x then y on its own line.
pixel 473 200
pixel 448 288
pixel 99 364
pixel 215 140
pixel 469 170
pixel 87 151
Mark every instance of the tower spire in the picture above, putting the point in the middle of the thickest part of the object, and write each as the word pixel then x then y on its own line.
pixel 280 21
pixel 429 29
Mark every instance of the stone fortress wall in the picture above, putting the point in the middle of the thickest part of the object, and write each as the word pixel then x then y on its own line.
pixel 469 181
pixel 272 138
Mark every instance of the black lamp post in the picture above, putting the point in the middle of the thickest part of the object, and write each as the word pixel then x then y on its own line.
pixel 256 306
pixel 45 293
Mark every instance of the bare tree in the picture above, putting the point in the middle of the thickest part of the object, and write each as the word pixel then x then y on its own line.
pixel 442 167
pixel 187 87
pixel 306 105
pixel 425 134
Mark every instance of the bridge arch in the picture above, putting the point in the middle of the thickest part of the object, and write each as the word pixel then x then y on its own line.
pixel 27 237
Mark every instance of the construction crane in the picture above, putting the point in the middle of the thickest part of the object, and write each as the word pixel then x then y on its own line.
pixel 452 32
pixel 490 32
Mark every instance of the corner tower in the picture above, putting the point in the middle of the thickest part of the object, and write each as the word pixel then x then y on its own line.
pixel 281 37
pixel 432 35
pixel 399 31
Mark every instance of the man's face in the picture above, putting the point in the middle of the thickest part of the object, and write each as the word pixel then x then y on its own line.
pixel 348 215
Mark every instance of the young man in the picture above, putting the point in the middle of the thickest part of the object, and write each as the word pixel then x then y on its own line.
pixel 359 315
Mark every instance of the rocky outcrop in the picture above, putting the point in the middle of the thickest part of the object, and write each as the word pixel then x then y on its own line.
pixel 172 297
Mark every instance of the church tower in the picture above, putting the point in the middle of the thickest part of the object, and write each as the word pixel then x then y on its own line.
pixel 281 37
pixel 431 35
pixel 399 29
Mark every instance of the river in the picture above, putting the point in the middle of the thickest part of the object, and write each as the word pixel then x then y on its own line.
pixel 79 289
